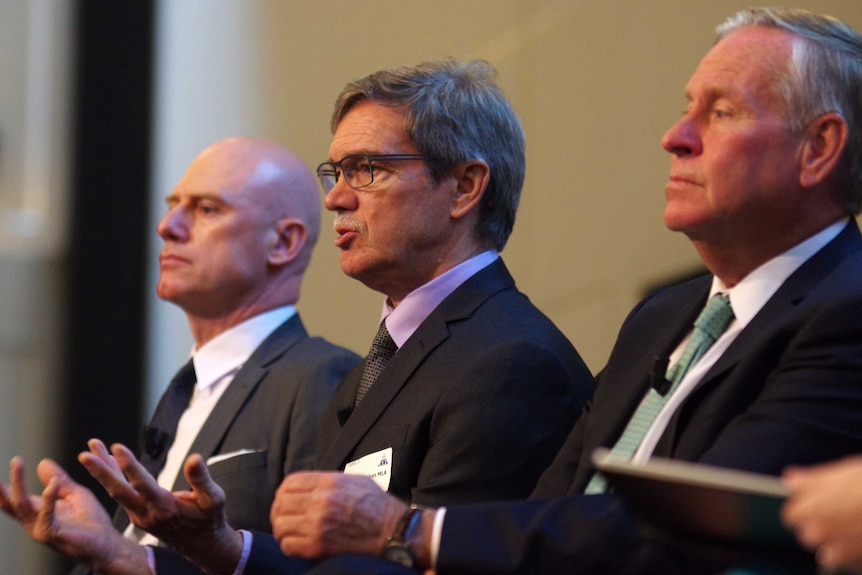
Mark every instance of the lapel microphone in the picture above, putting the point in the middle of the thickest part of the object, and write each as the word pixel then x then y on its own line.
pixel 154 441
pixel 657 375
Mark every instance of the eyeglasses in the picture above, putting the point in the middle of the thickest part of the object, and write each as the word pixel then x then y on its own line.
pixel 358 169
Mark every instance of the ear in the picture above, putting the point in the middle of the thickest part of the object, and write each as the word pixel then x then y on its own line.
pixel 471 179
pixel 825 140
pixel 289 240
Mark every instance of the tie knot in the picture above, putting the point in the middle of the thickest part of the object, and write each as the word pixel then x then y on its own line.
pixel 383 341
pixel 382 350
pixel 186 376
pixel 716 316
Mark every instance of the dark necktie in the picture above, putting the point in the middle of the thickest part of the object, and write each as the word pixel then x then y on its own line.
pixel 382 350
pixel 708 327
pixel 160 433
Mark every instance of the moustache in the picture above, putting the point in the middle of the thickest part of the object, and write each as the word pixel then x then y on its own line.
pixel 349 222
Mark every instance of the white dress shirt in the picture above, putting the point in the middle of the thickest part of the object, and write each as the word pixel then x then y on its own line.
pixel 216 364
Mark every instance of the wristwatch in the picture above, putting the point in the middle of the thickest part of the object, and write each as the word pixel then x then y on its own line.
pixel 397 547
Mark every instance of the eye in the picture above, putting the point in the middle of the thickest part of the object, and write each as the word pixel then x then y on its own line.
pixel 362 166
pixel 207 208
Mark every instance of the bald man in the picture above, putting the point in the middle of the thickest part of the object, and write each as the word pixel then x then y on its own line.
pixel 238 236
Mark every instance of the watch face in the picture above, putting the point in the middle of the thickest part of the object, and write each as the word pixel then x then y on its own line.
pixel 398 553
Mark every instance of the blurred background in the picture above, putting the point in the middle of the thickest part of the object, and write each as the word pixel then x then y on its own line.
pixel 103 103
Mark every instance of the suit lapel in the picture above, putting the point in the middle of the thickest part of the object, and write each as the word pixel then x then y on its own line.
pixel 458 306
pixel 628 376
pixel 796 290
pixel 799 288
pixel 211 435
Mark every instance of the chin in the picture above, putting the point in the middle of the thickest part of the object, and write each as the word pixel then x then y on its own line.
pixel 681 220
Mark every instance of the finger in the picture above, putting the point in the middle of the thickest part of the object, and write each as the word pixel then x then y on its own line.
pixel 100 463
pixel 106 476
pixel 209 493
pixel 304 481
pixel 138 476
pixel 99 450
pixel 111 478
pixel 788 514
pixel 48 470
pixel 23 506
pixel 5 501
pixel 18 486
pixel 44 523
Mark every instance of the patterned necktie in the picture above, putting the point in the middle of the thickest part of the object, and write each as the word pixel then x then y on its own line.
pixel 382 350
pixel 159 434
pixel 708 327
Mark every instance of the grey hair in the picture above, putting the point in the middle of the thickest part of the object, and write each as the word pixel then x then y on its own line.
pixel 824 76
pixel 455 112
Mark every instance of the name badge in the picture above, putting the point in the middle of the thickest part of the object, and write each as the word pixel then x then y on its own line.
pixel 377 466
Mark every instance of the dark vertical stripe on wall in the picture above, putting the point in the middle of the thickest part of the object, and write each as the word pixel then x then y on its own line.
pixel 104 354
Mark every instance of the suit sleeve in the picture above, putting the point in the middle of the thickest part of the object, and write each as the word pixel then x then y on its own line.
pixel 809 407
pixel 805 407
pixel 502 419
pixel 321 375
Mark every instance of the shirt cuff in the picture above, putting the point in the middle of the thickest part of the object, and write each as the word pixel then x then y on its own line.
pixel 151 559
pixel 246 551
pixel 436 535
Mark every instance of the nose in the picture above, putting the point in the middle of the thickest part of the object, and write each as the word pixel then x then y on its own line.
pixel 683 138
pixel 173 226
pixel 340 197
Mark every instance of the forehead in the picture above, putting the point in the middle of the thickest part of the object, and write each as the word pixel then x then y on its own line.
pixel 750 59
pixel 212 177
pixel 371 128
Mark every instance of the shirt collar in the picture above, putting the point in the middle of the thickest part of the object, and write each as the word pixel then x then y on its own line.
pixel 418 305
pixel 751 294
pixel 227 352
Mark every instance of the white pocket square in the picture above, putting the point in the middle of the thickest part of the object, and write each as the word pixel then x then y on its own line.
pixel 223 456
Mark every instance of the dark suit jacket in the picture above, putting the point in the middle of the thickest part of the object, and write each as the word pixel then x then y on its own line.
pixel 787 391
pixel 272 408
pixel 475 404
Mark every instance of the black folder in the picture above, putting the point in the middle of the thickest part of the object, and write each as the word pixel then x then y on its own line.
pixel 716 506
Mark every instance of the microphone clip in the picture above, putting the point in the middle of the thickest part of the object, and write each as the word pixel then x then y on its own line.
pixel 657 375
pixel 154 441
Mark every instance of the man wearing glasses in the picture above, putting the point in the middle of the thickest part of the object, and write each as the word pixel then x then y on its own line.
pixel 468 390
pixel 762 355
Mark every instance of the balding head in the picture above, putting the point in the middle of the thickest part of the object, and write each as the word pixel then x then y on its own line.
pixel 273 176
pixel 239 233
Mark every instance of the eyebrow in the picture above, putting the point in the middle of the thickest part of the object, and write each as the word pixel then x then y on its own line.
pixel 196 196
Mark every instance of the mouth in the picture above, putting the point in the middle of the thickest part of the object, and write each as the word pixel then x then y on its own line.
pixel 679 181
pixel 347 229
pixel 345 236
pixel 169 260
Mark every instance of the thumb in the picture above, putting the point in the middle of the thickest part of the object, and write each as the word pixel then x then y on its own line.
pixel 208 492
pixel 49 469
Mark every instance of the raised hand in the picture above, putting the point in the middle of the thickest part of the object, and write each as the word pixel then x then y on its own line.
pixel 68 518
pixel 192 522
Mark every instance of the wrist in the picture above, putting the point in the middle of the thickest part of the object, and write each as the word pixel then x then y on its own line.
pixel 404 545
pixel 228 557
pixel 420 540
pixel 126 557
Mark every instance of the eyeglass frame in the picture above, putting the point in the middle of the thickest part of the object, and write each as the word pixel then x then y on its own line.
pixel 334 167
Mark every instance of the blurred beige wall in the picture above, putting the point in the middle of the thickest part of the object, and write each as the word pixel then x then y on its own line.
pixel 595 83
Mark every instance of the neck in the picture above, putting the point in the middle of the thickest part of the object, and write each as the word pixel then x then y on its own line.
pixel 736 255
pixel 396 293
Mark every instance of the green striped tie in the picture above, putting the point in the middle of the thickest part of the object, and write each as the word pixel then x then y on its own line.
pixel 708 327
